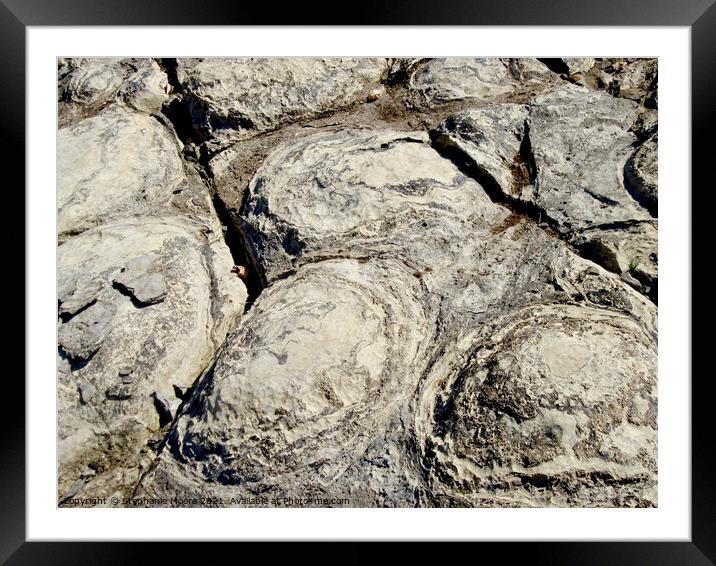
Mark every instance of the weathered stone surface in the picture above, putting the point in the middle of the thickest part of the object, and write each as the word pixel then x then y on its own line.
pixel 632 78
pixel 121 163
pixel 146 88
pixel 350 189
pixel 641 174
pixel 580 141
pixel 235 98
pixel 452 274
pixel 90 81
pixel 143 279
pixel 557 408
pixel 580 65
pixel 625 249
pixel 275 414
pixel 479 79
pixel 87 86
pixel 124 349
pixel 568 159
pixel 331 386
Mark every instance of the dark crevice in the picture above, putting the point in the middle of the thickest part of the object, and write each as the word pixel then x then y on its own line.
pixel 447 148
pixel 185 112
pixel 169 66
pixel 168 423
pixel 601 198
pixel 124 290
pixel 616 225
pixel 527 155
pixel 163 410
pixel 179 114
pixel 467 166
pixel 182 110
pixel 238 244
pixel 555 64
pixel 67 316
pixel 76 363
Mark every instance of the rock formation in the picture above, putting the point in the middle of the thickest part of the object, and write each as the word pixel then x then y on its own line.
pixel 445 294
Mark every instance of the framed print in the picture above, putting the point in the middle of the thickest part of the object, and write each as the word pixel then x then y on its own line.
pixel 387 279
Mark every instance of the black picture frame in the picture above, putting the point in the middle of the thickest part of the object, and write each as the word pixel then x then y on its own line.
pixel 698 15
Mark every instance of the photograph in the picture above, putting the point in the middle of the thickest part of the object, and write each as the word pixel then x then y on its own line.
pixel 357 282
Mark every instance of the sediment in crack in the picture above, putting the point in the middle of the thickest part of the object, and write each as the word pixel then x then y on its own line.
pixel 447 148
pixel 236 240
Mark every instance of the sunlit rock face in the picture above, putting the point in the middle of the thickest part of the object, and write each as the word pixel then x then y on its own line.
pixel 358 281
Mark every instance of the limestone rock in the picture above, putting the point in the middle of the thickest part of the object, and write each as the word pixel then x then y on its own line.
pixel 641 174
pixel 580 142
pixel 578 65
pixel 146 87
pixel 575 425
pixel 453 276
pixel 236 98
pixel 380 311
pixel 88 85
pixel 124 349
pixel 479 80
pixel 632 78
pixel 121 163
pixel 568 159
pixel 143 279
pixel 276 409
pixel 90 81
pixel 329 191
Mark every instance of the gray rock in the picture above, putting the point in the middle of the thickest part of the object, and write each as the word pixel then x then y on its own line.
pixel 358 371
pixel 450 252
pixel 146 89
pixel 82 336
pixel 578 65
pixel 349 190
pixel 479 80
pixel 143 279
pixel 566 159
pixel 131 353
pixel 120 164
pixel 632 78
pixel 90 81
pixel 236 98
pixel 87 392
pixel 498 430
pixel 641 174
pixel 580 142
pixel 88 85
pixel 113 165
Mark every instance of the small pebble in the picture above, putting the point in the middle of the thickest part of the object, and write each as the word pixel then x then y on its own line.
pixel 375 94
pixel 87 391
pixel 240 270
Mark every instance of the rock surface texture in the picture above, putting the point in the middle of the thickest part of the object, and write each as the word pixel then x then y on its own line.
pixel 445 294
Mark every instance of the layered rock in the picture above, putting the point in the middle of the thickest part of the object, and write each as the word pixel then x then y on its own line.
pixel 87 86
pixel 118 164
pixel 232 99
pixel 146 292
pixel 377 304
pixel 133 295
pixel 478 79
pixel 453 273
pixel 571 159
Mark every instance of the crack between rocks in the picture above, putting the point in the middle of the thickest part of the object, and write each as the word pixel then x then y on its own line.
pixel 449 150
pixel 234 239
pixel 167 429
